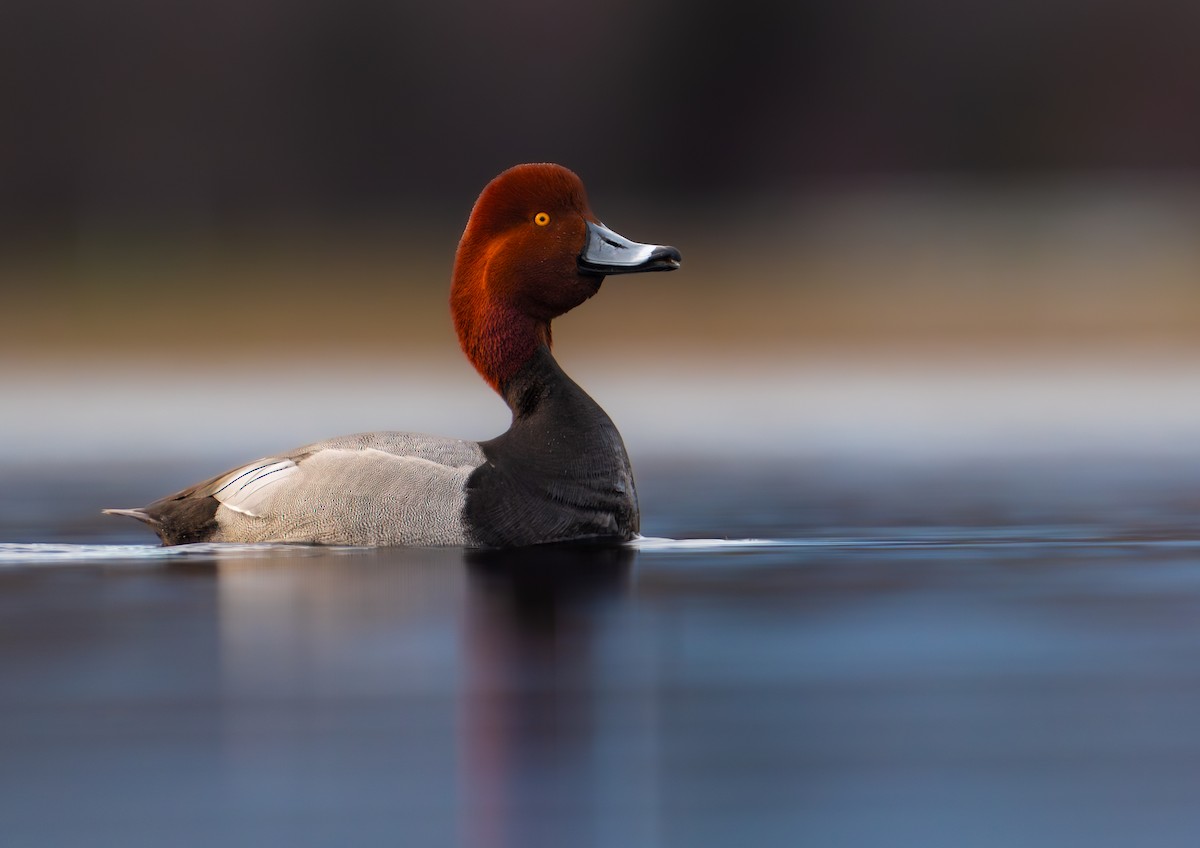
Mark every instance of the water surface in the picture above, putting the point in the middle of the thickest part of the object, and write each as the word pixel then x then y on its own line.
pixel 811 652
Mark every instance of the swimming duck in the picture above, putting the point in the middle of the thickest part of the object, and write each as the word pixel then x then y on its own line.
pixel 532 250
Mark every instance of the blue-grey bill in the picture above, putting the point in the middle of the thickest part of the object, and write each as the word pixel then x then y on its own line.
pixel 607 252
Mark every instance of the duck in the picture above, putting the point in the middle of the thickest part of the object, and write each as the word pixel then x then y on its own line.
pixel 531 251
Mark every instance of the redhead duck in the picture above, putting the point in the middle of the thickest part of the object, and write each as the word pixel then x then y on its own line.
pixel 531 251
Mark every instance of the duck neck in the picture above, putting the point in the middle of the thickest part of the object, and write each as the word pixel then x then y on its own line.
pixel 497 338
pixel 541 382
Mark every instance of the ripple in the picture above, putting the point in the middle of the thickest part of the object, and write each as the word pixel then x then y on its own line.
pixel 49 553
pixel 654 543
pixel 926 539
pixel 28 553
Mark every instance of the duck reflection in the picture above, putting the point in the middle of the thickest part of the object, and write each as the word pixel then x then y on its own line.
pixel 485 698
pixel 541 747
pixel 543 591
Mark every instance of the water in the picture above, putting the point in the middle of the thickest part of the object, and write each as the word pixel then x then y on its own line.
pixel 823 652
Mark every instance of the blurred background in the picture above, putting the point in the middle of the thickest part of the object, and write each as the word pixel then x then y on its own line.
pixel 903 227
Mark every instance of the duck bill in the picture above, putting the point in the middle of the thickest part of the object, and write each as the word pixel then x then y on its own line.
pixel 606 252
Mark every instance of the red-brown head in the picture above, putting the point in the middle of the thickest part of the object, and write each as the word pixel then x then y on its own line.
pixel 531 251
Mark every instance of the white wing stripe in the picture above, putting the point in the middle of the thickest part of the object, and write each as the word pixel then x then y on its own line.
pixel 242 472
pixel 255 480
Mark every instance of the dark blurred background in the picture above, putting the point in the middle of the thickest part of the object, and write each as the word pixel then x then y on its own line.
pixel 211 116
pixel 862 175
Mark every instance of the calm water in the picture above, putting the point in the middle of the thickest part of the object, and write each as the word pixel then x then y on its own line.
pixel 984 654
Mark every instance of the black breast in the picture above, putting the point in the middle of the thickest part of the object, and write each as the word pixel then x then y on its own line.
pixel 559 473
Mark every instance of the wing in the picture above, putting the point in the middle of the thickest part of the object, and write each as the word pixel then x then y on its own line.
pixel 367 489
pixel 344 495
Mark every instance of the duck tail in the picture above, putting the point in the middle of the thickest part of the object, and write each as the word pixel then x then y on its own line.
pixel 140 514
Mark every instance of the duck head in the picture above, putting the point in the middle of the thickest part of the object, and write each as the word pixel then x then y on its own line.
pixel 533 250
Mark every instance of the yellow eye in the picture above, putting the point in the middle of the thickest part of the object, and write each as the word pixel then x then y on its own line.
pixel 541 219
